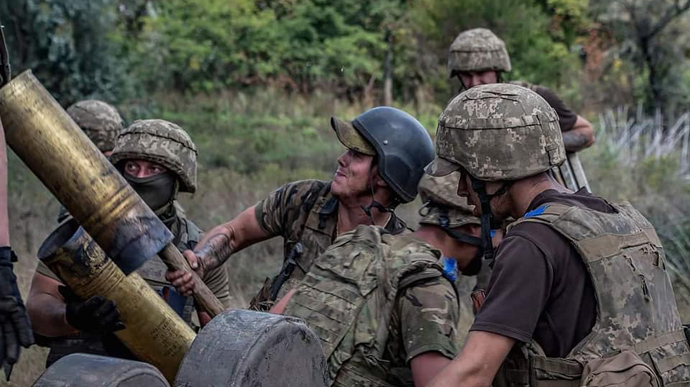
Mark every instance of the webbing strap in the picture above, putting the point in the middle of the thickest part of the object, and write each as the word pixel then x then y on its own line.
pixel 558 366
pixel 659 341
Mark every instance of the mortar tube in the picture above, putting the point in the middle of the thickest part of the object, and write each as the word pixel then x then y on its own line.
pixel 154 332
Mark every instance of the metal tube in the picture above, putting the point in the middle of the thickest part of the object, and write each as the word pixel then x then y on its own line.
pixel 42 134
pixel 154 332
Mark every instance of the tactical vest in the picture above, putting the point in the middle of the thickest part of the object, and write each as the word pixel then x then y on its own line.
pixel 316 235
pixel 349 294
pixel 153 271
pixel 636 308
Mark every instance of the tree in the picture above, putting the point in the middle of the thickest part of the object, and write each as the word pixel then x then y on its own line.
pixel 68 45
pixel 649 34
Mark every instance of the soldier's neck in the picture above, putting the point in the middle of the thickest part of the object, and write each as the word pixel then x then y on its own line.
pixel 351 215
pixel 523 192
pixel 432 235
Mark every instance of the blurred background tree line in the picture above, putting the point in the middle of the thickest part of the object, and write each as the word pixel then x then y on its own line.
pixel 609 52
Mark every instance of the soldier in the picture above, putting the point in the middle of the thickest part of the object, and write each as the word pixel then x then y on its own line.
pixel 379 170
pixel 577 281
pixel 15 329
pixel 385 306
pixel 101 122
pixel 478 57
pixel 158 159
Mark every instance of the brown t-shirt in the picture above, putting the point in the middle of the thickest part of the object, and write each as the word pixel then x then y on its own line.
pixel 540 288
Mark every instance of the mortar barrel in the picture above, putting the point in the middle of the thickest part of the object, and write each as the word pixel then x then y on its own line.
pixel 154 332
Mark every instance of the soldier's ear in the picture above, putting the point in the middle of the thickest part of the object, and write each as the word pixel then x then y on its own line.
pixel 376 177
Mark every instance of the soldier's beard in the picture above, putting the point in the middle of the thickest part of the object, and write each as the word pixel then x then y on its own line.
pixel 157 191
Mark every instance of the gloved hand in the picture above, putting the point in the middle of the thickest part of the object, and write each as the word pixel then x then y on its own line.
pixel 15 329
pixel 95 315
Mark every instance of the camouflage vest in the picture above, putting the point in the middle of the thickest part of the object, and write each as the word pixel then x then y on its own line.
pixel 636 307
pixel 316 234
pixel 187 235
pixel 349 294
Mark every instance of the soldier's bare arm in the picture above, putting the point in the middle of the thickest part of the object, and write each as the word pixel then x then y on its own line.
pixel 580 137
pixel 217 246
pixel 426 366
pixel 478 362
pixel 46 308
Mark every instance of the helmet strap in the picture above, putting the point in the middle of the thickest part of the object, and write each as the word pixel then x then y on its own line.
pixel 374 204
pixel 475 264
pixel 487 217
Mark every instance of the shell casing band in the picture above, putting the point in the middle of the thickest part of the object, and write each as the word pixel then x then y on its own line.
pixel 154 332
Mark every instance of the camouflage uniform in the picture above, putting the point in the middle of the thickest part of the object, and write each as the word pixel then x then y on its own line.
pixel 302 212
pixel 376 301
pixel 305 213
pixel 167 144
pixel 100 121
pixel 621 251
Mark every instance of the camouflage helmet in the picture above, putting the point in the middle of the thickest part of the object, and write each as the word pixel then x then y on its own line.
pixel 160 142
pixel 498 132
pixel 442 205
pixel 100 121
pixel 477 50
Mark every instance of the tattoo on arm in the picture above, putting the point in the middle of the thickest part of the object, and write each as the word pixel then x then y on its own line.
pixel 574 141
pixel 215 251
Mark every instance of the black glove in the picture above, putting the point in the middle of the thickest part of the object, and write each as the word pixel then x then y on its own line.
pixel 15 329
pixel 95 315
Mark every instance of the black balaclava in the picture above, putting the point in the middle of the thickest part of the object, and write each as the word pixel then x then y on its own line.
pixel 158 192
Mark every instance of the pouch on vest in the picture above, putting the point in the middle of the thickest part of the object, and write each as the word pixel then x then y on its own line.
pixel 624 369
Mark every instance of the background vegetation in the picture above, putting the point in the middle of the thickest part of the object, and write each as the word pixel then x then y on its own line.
pixel 255 81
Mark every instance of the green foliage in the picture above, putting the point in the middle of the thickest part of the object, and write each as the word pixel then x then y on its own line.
pixel 68 46
pixel 536 46
pixel 206 45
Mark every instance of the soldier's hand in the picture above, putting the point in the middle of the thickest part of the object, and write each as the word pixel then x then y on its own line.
pixel 181 279
pixel 15 329
pixel 95 315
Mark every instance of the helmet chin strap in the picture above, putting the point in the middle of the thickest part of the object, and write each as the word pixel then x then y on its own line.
pixel 475 264
pixel 487 217
pixel 374 203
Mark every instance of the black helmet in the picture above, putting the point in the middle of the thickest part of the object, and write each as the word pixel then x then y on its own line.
pixel 401 143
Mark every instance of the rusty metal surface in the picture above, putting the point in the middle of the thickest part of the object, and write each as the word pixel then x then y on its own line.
pixel 154 332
